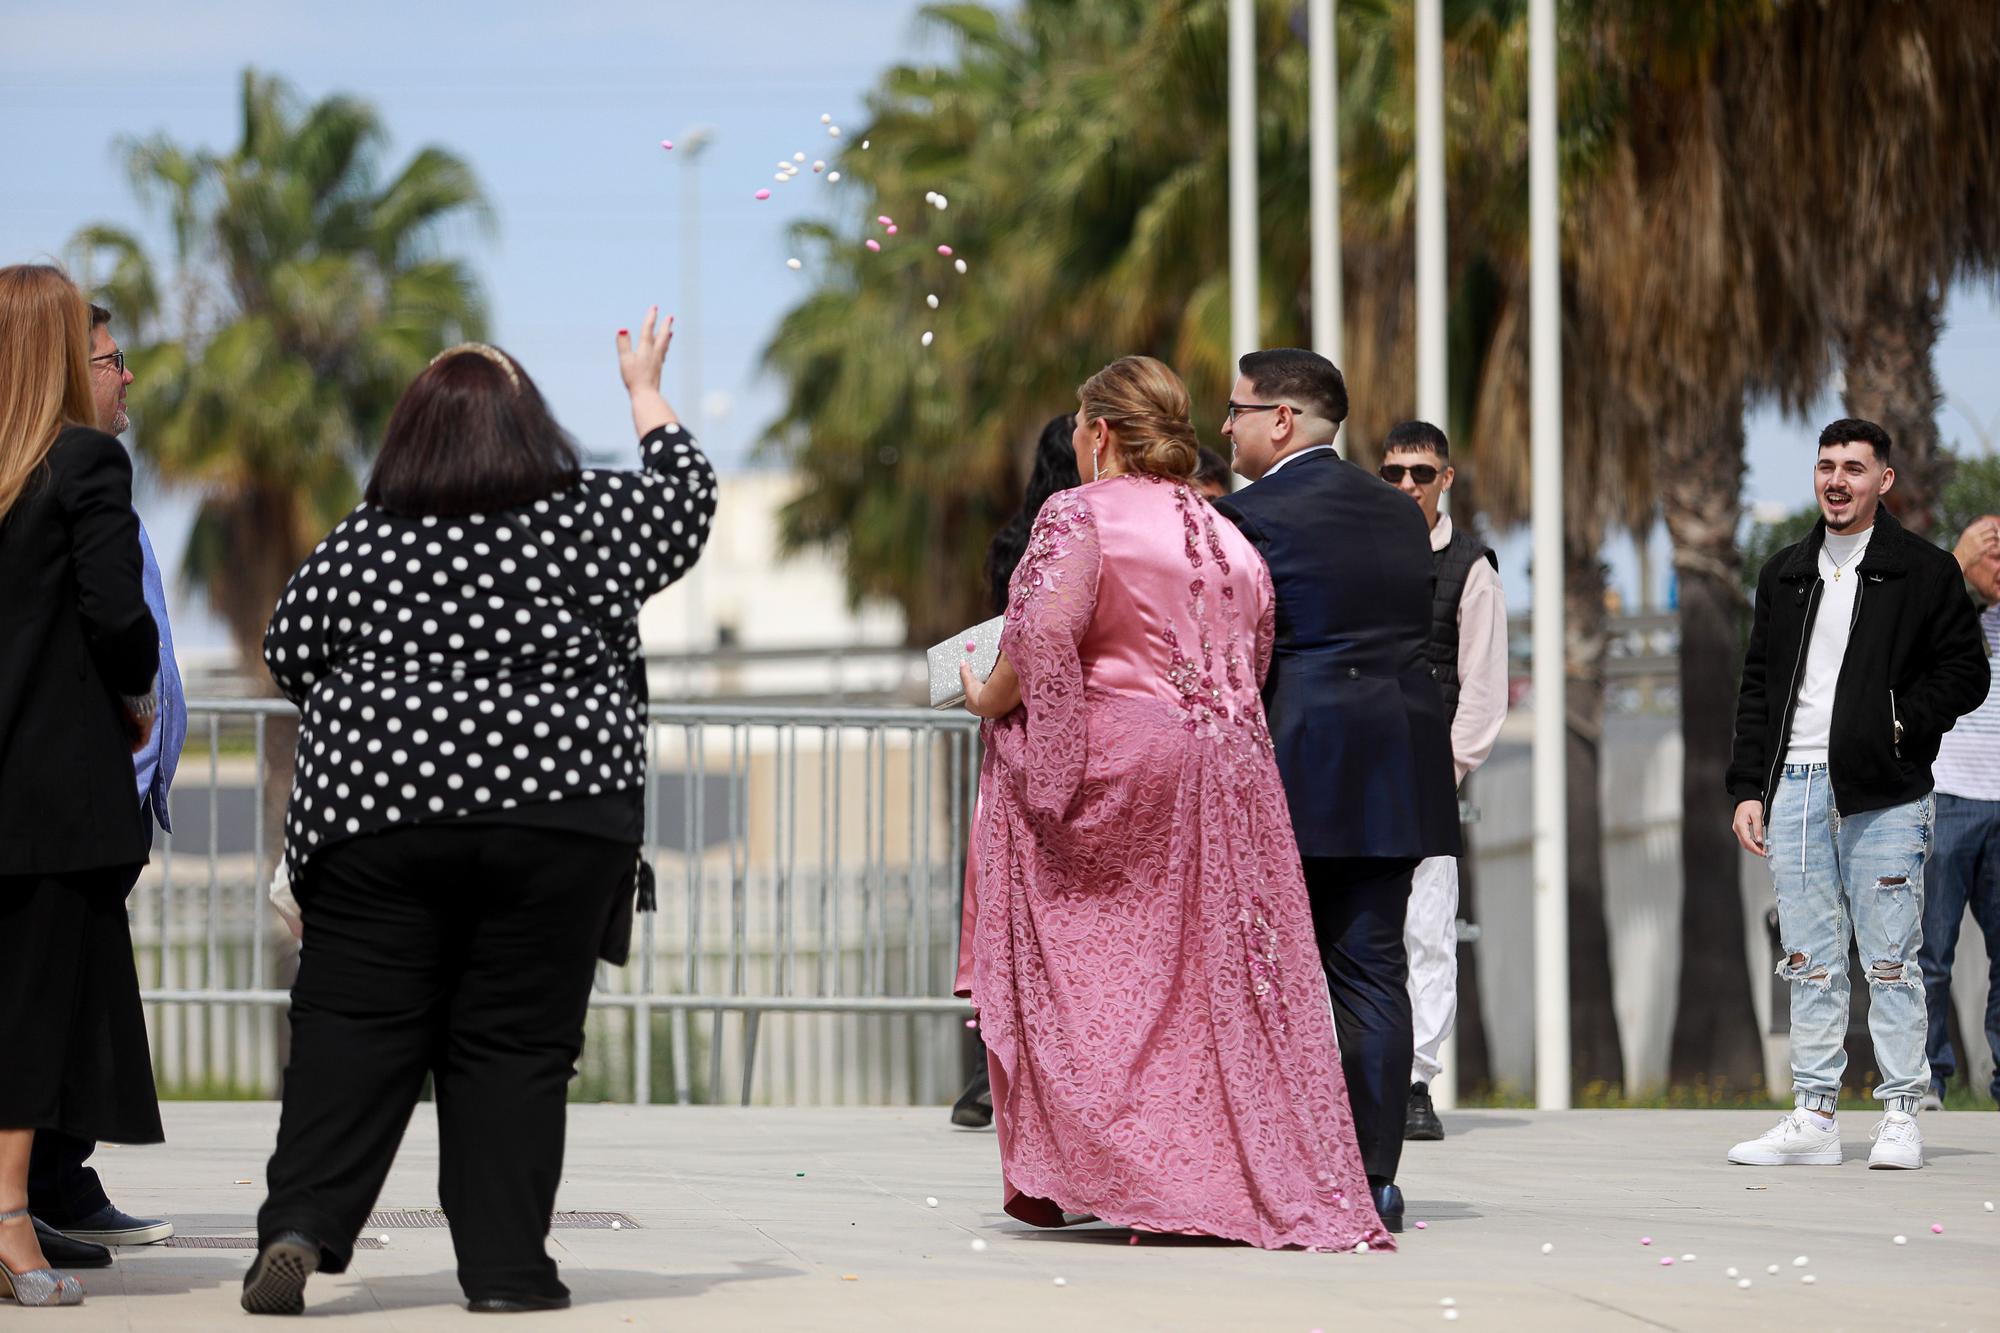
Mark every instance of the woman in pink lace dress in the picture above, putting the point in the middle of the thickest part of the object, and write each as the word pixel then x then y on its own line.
pixel 1161 1042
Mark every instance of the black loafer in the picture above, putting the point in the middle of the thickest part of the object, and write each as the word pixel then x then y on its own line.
pixel 276 1282
pixel 1388 1205
pixel 516 1304
pixel 1421 1122
pixel 974 1107
pixel 68 1252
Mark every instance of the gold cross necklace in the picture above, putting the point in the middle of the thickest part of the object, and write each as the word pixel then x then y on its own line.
pixel 1839 565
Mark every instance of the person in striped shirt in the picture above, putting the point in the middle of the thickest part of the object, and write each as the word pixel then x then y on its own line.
pixel 1964 869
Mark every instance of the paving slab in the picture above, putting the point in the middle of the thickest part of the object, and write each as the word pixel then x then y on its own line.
pixel 817 1219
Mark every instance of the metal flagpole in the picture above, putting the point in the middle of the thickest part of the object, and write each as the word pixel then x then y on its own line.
pixel 1431 368
pixel 1551 911
pixel 1243 324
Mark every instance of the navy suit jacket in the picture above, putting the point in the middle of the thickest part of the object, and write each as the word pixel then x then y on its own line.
pixel 1359 725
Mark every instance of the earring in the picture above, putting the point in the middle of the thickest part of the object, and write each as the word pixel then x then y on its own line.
pixel 1096 463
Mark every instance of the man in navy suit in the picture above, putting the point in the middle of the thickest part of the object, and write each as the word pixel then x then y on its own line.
pixel 1359 725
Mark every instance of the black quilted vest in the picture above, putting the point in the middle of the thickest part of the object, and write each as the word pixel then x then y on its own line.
pixel 1451 565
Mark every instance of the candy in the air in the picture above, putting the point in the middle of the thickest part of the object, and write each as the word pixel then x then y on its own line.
pixel 945 250
pixel 818 166
pixel 667 144
pixel 833 175
pixel 931 301
pixel 833 131
pixel 763 194
pixel 798 157
pixel 793 264
pixel 891 229
pixel 927 337
pixel 959 265
pixel 872 243
pixel 825 118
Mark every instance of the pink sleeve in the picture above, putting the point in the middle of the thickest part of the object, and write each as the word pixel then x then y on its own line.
pixel 1267 620
pixel 1049 607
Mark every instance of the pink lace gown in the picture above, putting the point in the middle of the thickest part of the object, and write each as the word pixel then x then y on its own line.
pixel 1159 1034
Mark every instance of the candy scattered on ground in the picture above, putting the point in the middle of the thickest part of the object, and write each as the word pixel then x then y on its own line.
pixel 1772 1269
pixel 617 1226
pixel 763 194
pixel 1902 1240
pixel 1937 1228
pixel 1361 1247
pixel 1989 1205
pixel 1800 1262
pixel 1743 1284
pixel 849 1277
pixel 1808 1279
pixel 1666 1261
pixel 1450 1314
pixel 930 1201
pixel 1548 1248
pixel 1729 1272
pixel 1447 1302
pixel 1422 1226
pixel 978 1245
pixel 1687 1258
pixel 1645 1240
pixel 1062 1282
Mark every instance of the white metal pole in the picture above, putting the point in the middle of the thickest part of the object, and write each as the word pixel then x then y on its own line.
pixel 1431 369
pixel 1323 53
pixel 1551 913
pixel 1243 324
pixel 688 323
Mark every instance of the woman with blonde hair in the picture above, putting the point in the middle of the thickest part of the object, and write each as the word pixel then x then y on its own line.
pixel 1161 1041
pixel 78 657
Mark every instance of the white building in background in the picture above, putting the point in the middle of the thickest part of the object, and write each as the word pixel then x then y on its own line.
pixel 749 621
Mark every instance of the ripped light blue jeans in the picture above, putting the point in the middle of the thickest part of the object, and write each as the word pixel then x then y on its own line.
pixel 1860 876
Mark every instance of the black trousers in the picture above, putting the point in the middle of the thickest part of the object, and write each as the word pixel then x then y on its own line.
pixel 466 953
pixel 62 1190
pixel 1358 907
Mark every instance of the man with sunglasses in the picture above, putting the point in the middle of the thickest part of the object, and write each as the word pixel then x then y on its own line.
pixel 1468 655
pixel 74 1219
pixel 1358 723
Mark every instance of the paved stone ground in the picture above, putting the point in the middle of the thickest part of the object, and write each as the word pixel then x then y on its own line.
pixel 817 1220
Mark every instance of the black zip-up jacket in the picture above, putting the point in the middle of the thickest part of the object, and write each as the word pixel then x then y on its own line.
pixel 1914 656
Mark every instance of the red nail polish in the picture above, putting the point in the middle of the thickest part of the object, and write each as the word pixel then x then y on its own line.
pixel 624 333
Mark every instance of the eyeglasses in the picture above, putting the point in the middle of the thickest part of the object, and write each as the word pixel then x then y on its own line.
pixel 1238 409
pixel 1421 473
pixel 117 360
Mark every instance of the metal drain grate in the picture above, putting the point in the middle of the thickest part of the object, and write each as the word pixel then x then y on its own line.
pixel 242 1243
pixel 419 1219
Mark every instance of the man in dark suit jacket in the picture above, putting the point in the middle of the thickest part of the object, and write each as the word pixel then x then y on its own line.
pixel 1362 737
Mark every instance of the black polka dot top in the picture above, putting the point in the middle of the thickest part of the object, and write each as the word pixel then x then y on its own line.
pixel 446 667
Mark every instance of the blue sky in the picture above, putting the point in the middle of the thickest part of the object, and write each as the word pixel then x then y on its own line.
pixel 560 109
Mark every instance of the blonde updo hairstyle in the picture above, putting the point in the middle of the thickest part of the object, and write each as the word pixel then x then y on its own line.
pixel 1147 407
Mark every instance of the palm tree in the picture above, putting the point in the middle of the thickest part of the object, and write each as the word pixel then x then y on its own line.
pixel 305 292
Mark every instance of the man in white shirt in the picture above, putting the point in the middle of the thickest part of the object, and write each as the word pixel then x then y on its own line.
pixel 1864 650
pixel 1964 866
pixel 1468 656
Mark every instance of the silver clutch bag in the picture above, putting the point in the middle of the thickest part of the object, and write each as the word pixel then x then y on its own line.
pixel 979 646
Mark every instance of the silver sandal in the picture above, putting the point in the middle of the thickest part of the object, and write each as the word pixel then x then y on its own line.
pixel 41 1286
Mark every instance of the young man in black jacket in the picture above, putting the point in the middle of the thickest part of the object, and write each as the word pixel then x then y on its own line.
pixel 1863 652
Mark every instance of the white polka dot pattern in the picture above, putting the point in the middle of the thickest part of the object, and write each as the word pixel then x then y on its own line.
pixel 446 666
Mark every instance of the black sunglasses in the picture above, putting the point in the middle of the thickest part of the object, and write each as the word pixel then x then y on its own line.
pixel 1421 473
pixel 117 359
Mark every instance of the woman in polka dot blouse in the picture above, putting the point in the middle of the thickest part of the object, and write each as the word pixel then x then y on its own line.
pixel 466 806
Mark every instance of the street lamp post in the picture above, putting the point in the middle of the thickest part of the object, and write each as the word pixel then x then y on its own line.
pixel 1243 335
pixel 1323 53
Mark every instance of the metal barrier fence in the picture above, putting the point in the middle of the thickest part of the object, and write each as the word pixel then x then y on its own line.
pixel 810 865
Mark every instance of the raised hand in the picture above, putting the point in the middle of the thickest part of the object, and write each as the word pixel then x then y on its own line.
pixel 640 361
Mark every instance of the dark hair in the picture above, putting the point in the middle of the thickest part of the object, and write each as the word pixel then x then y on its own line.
pixel 471 435
pixel 1417 435
pixel 1054 470
pixel 1211 469
pixel 1293 372
pixel 1857 430
pixel 99 316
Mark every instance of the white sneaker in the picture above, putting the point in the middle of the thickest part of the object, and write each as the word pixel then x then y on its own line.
pixel 1898 1144
pixel 1800 1139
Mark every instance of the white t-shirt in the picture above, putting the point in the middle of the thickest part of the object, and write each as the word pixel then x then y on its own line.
pixel 1968 762
pixel 1840 577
